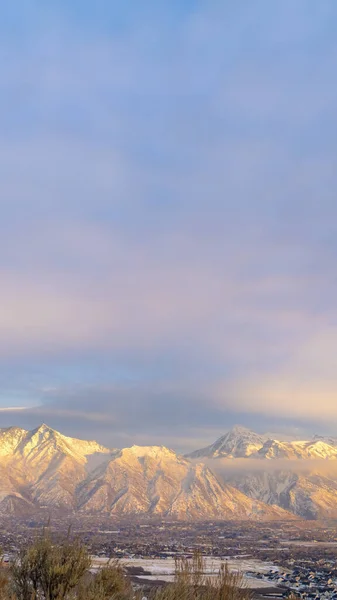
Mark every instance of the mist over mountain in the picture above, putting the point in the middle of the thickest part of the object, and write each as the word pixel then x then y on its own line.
pixel 299 476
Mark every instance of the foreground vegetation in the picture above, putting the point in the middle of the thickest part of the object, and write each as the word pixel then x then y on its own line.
pixel 47 571
pixel 191 583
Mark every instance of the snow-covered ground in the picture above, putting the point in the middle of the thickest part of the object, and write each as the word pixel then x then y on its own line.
pixel 163 569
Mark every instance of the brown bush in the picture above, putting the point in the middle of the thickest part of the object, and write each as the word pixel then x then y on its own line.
pixel 110 583
pixel 47 571
pixel 192 583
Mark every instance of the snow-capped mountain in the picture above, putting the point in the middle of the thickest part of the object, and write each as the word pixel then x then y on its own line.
pixel 156 481
pixel 332 441
pixel 274 449
pixel 42 468
pixel 299 476
pixel 239 442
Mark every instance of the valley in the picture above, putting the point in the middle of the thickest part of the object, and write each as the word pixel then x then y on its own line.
pixel 274 558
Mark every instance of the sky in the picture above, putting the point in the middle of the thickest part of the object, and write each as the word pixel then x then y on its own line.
pixel 168 231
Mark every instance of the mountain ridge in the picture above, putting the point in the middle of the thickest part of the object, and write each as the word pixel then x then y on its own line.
pixel 299 476
pixel 240 442
pixel 42 468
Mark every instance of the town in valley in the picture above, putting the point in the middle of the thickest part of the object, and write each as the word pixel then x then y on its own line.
pixel 276 559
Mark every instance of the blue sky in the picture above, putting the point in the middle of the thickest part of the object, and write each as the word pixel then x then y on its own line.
pixel 168 218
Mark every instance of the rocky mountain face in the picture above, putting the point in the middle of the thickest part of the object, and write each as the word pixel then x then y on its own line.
pixel 42 468
pixel 298 476
pixel 310 496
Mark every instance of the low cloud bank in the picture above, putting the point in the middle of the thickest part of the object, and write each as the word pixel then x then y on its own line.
pixel 229 468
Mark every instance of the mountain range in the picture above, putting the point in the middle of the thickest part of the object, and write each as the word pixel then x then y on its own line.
pixel 43 469
pixel 241 442
pixel 299 476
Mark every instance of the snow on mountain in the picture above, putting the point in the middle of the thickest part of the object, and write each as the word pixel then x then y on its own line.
pixel 239 442
pixel 330 440
pixel 298 476
pixel 274 449
pixel 156 481
pixel 42 468
pixel 308 495
pixel 10 438
pixel 44 441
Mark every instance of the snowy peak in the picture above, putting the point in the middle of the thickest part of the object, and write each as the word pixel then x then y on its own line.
pixel 330 440
pixel 239 442
pixel 240 430
pixel 44 439
pixel 10 438
pixel 43 428
pixel 308 490
pixel 153 480
pixel 40 434
pixel 274 449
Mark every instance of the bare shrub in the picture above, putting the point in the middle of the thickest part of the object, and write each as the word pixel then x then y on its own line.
pixel 49 572
pixel 110 583
pixel 191 582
